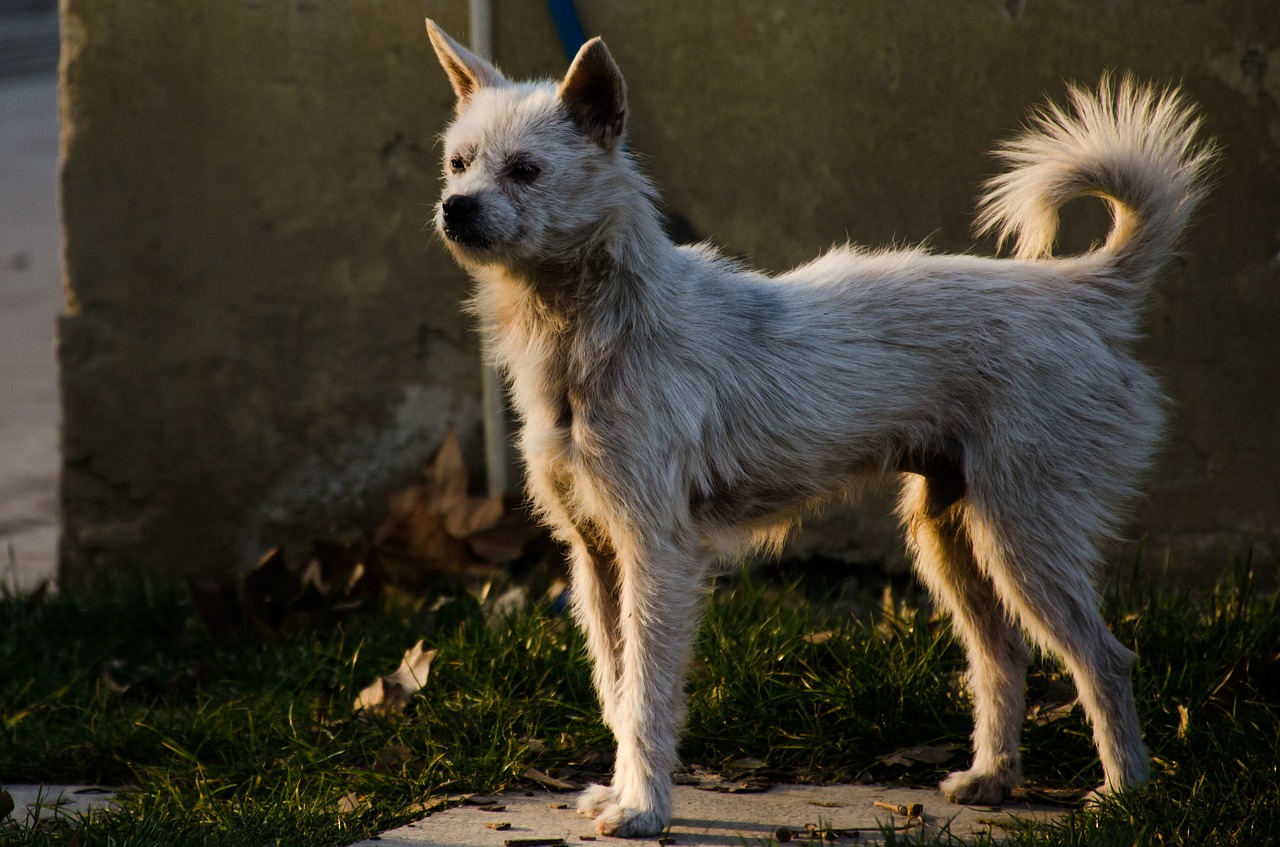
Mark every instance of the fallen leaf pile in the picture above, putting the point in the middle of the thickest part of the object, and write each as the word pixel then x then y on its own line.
pixel 747 775
pixel 436 528
pixel 274 597
pixel 436 539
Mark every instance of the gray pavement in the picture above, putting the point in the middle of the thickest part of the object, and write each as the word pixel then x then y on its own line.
pixel 713 819
pixel 30 302
pixel 35 803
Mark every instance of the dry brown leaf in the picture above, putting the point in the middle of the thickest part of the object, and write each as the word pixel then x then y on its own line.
pixel 1184 721
pixel 390 695
pixel 1058 701
pixel 471 515
pixel 1071 797
pixel 748 763
pixel 269 590
pixel 548 781
pixel 534 745
pixel 505 539
pixel 435 804
pixel 392 759
pixel 924 754
pixel 351 802
pixel 338 571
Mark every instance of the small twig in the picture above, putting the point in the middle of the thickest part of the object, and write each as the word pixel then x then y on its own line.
pixel 993 822
pixel 915 810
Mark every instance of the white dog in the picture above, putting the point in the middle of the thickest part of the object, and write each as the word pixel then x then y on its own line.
pixel 679 409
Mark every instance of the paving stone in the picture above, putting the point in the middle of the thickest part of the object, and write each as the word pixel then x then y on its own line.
pixel 714 819
pixel 33 803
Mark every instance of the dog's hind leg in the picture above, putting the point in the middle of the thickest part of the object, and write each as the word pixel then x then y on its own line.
pixel 1041 570
pixel 997 654
pixel 661 596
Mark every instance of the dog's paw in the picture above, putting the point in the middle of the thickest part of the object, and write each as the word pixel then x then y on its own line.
pixel 976 788
pixel 595 799
pixel 1096 797
pixel 1106 793
pixel 623 822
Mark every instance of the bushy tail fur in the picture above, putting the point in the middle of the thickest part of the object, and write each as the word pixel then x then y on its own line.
pixel 1132 145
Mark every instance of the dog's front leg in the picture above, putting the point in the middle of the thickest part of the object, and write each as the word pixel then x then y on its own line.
pixel 661 593
pixel 595 598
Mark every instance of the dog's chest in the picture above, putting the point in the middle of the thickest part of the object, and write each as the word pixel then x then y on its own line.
pixel 560 407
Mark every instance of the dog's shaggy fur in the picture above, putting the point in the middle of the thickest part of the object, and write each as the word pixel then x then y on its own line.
pixel 679 409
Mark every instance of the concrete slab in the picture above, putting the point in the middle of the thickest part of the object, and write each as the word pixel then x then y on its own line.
pixel 30 302
pixel 712 819
pixel 34 803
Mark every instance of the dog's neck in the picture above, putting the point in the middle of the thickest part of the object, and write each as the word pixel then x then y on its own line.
pixel 616 281
pixel 556 327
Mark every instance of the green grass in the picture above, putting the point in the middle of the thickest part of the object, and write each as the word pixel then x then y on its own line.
pixel 256 744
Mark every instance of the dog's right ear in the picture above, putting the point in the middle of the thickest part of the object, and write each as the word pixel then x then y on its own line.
pixel 468 73
pixel 595 94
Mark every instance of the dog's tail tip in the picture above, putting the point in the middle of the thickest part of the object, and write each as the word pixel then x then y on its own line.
pixel 1133 145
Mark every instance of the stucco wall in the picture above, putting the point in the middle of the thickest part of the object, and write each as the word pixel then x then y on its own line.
pixel 261 340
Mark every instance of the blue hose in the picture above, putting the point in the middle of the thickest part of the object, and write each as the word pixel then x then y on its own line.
pixel 568 26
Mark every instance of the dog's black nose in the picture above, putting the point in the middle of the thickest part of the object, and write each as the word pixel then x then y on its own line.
pixel 459 208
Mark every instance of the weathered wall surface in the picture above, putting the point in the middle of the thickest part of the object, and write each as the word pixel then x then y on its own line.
pixel 261 340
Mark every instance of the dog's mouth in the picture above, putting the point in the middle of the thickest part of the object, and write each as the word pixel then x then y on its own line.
pixel 472 238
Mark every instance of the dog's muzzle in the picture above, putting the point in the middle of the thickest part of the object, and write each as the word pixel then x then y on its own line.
pixel 462 221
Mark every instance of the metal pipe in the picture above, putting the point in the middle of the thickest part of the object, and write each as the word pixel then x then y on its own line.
pixel 492 398
pixel 482 28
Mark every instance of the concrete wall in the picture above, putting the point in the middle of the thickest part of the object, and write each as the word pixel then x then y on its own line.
pixel 261 341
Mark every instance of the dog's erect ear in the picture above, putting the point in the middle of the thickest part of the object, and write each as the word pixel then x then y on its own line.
pixel 468 73
pixel 595 95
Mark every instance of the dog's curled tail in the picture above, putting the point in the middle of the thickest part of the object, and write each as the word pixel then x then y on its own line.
pixel 1132 145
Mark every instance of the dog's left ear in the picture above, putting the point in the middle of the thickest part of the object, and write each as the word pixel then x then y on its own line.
pixel 468 73
pixel 595 95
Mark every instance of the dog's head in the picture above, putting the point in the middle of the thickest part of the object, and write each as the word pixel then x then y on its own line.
pixel 528 167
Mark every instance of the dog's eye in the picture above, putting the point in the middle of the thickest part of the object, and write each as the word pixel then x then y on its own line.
pixel 457 164
pixel 524 171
